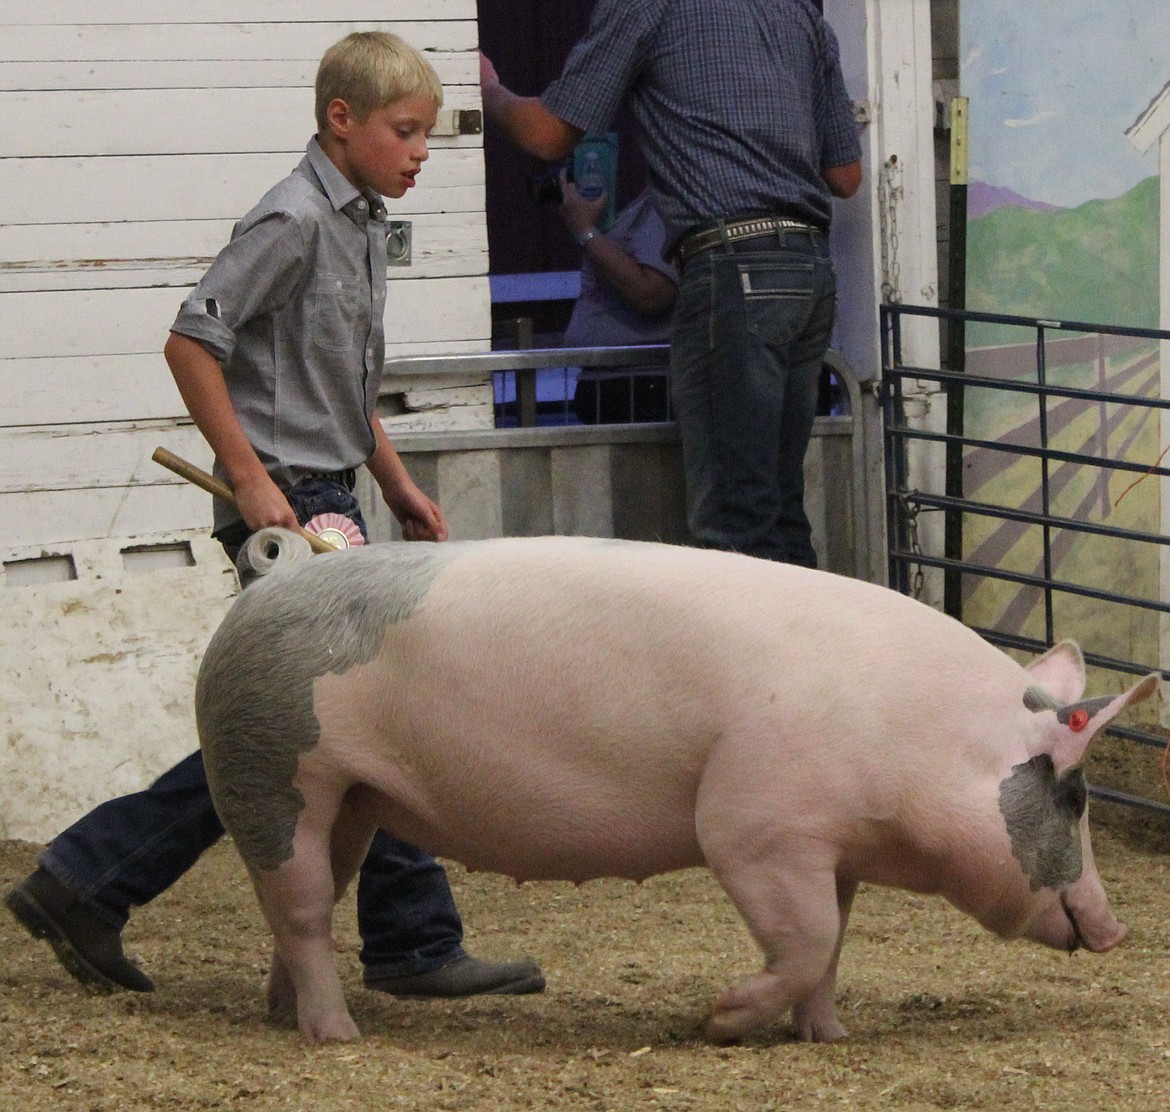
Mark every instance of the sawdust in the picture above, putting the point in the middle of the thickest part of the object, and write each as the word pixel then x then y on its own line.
pixel 941 1014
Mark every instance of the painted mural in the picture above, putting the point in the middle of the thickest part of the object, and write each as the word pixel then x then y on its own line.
pixel 1063 224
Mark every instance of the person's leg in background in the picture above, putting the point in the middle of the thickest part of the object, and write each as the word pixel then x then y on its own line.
pixel 128 850
pixel 749 324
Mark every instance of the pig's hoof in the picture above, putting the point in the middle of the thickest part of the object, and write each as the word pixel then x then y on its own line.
pixel 334 1029
pixel 728 1024
pixel 818 1028
pixel 746 1007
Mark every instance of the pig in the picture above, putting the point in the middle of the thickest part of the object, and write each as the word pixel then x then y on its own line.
pixel 569 708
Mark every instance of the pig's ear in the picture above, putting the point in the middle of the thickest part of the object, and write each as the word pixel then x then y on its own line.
pixel 1060 671
pixel 1070 729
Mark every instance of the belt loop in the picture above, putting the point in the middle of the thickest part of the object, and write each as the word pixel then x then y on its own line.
pixel 724 238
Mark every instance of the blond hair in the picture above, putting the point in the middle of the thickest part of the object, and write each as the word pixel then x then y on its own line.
pixel 370 70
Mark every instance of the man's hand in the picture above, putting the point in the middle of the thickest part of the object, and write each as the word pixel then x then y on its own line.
pixel 487 72
pixel 524 120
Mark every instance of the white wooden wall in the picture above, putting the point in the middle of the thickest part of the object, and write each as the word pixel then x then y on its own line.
pixel 133 133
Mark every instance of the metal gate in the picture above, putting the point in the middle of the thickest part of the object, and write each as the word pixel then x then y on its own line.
pixel 1038 508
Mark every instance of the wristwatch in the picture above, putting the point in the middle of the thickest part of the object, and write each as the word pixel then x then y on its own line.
pixel 586 236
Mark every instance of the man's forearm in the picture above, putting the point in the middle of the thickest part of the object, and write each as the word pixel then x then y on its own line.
pixel 528 124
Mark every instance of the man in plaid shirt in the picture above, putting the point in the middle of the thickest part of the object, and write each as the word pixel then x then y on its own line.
pixel 748 134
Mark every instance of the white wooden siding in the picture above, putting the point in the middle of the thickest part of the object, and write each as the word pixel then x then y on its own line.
pixel 133 134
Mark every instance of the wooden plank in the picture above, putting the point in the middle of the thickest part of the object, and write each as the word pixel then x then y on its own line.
pixel 173 121
pixel 123 321
pixel 72 390
pixel 442 244
pixel 453 69
pixel 34 520
pixel 185 40
pixel 202 186
pixel 23 13
pixel 94 456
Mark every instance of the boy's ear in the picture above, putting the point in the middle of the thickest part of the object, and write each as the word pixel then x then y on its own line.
pixel 339 117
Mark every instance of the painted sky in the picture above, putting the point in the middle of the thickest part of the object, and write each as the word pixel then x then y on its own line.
pixel 1053 86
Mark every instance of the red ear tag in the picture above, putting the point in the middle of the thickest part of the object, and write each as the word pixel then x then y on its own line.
pixel 1078 720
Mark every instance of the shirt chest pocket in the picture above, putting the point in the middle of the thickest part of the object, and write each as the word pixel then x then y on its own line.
pixel 337 312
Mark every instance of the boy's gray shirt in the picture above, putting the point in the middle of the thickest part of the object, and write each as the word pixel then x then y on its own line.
pixel 292 307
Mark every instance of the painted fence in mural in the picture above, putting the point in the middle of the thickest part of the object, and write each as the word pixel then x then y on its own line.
pixel 1124 366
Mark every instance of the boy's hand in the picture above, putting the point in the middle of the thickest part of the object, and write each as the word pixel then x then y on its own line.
pixel 420 518
pixel 261 503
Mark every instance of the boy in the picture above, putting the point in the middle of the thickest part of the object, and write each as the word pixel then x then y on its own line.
pixel 278 355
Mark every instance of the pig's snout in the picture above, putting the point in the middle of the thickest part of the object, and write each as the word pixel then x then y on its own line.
pixel 1063 925
pixel 1110 932
pixel 1070 925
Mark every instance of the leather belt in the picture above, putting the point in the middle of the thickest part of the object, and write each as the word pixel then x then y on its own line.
pixel 750 228
pixel 346 478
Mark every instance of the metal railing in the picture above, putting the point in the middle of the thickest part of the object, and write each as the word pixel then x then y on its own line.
pixel 1073 437
pixel 525 364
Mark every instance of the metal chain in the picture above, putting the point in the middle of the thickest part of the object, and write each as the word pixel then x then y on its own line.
pixel 889 196
pixel 919 581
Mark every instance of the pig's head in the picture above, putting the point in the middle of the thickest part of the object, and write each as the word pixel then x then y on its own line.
pixel 1057 898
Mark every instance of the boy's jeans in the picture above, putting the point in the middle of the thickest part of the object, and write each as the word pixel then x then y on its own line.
pixel 125 852
pixel 750 331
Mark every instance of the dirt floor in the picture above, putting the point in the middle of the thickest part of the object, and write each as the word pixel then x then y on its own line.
pixel 941 1014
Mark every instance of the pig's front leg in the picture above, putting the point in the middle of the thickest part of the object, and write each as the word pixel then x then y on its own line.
pixel 791 908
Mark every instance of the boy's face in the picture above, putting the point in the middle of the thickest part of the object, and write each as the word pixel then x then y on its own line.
pixel 383 152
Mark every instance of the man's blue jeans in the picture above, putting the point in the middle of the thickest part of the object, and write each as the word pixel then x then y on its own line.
pixel 125 852
pixel 751 328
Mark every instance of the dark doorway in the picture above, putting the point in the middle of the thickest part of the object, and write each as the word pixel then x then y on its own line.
pixel 528 41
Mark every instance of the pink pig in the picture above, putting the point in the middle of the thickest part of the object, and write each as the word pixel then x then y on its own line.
pixel 568 708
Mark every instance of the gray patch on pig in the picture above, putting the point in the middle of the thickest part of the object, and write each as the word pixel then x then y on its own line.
pixel 1092 706
pixel 1043 812
pixel 254 692
pixel 1037 699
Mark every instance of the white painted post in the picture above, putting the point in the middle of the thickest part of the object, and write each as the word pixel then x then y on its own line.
pixel 1152 126
pixel 887 60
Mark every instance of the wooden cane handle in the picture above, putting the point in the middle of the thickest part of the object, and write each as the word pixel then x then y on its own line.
pixel 220 489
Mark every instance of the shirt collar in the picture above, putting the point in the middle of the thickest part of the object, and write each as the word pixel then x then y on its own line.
pixel 342 194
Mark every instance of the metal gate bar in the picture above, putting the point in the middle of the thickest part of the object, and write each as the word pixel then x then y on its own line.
pixel 906 558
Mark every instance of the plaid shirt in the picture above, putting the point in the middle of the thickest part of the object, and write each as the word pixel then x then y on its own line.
pixel 740 103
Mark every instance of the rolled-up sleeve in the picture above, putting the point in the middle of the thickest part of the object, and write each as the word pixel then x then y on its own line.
pixel 600 68
pixel 256 273
pixel 838 128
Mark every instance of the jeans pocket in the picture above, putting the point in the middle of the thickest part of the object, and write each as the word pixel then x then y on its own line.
pixel 336 312
pixel 778 299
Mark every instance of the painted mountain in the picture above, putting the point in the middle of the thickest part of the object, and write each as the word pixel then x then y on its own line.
pixel 982 198
pixel 1096 263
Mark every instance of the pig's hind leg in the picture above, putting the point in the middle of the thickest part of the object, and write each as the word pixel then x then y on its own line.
pixel 297 899
pixel 795 911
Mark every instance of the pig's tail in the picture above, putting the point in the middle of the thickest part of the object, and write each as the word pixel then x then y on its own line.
pixel 270 548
